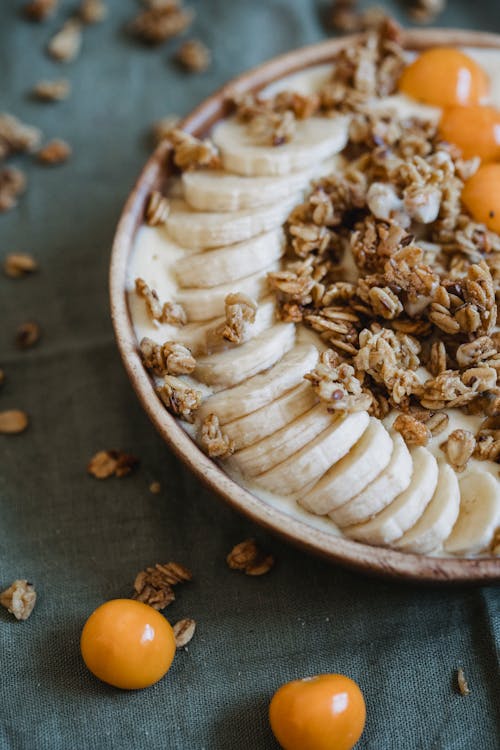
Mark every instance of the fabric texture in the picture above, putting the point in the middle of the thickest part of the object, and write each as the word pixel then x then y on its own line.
pixel 82 541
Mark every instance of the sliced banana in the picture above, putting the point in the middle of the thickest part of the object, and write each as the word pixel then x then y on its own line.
pixel 263 388
pixel 315 139
pixel 196 229
pixel 216 190
pixel 391 523
pixel 202 338
pixel 438 519
pixel 393 480
pixel 233 366
pixel 248 430
pixel 479 515
pixel 205 304
pixel 227 264
pixel 278 446
pixel 308 464
pixel 353 472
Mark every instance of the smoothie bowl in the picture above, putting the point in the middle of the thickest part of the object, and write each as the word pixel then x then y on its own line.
pixel 303 290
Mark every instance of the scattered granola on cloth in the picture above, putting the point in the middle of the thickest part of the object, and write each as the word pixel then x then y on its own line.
pixel 19 599
pixel 109 463
pixel 248 558
pixel 155 585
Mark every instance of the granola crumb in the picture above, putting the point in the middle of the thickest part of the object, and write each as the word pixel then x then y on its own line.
pixel 108 463
pixel 169 312
pixel 52 91
pixel 184 631
pixel 65 45
pixel 157 209
pixel 54 152
pixel 92 11
pixel 39 10
pixel 250 559
pixel 179 397
pixel 156 24
pixel 18 265
pixel 462 684
pixel 12 185
pixel 240 310
pixel 213 440
pixel 154 585
pixel 13 422
pixel 170 358
pixel 19 599
pixel 194 56
pixel 412 430
pixel 192 153
pixel 458 448
pixel 27 335
pixel 155 488
pixel 16 136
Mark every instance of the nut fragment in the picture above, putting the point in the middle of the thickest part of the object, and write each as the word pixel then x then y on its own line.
pixel 194 56
pixel 54 152
pixel 108 463
pixel 27 335
pixel 412 430
pixel 52 91
pixel 17 265
pixel 459 448
pixel 154 586
pixel 19 599
pixel 157 209
pixel 183 632
pixel 13 421
pixel 462 684
pixel 249 558
pixel 65 45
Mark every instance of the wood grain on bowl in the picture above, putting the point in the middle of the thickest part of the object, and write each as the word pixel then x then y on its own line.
pixel 358 556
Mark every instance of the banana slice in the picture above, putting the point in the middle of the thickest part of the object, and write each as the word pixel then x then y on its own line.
pixel 391 523
pixel 273 449
pixel 248 430
pixel 205 304
pixel 196 229
pixel 352 473
pixel 233 366
pixel 227 264
pixel 200 337
pixel 308 464
pixel 479 514
pixel 216 190
pixel 315 139
pixel 260 390
pixel 438 519
pixel 393 480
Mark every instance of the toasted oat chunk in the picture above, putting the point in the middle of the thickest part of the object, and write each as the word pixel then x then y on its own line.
pixel 17 265
pixel 458 448
pixel 462 684
pixel 52 91
pixel 155 488
pixel 216 444
pixel 54 152
pixel 170 358
pixel 426 11
pixel 250 559
pixel 192 153
pixel 154 585
pixel 12 185
pixel 412 430
pixel 240 311
pixel 169 312
pixel 157 209
pixel 109 463
pixel 39 10
pixel 163 21
pixel 194 56
pixel 13 422
pixel 65 45
pixel 179 397
pixel 16 136
pixel 337 385
pixel 19 599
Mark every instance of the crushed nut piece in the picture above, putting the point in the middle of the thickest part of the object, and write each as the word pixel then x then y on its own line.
pixel 192 153
pixel 157 209
pixel 92 11
pixel 39 10
pixel 213 440
pixel 462 684
pixel 194 56
pixel 13 421
pixel 16 136
pixel 54 152
pixel 412 430
pixel 459 448
pixel 108 463
pixel 27 335
pixel 170 358
pixel 19 599
pixel 65 45
pixel 155 488
pixel 169 312
pixel 155 25
pixel 183 632
pixel 12 184
pixel 249 558
pixel 180 398
pixel 17 265
pixel 52 91
pixel 154 586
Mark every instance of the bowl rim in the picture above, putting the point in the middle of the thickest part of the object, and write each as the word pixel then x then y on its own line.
pixel 354 555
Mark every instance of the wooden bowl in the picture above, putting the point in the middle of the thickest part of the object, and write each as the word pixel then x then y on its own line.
pixel 348 553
